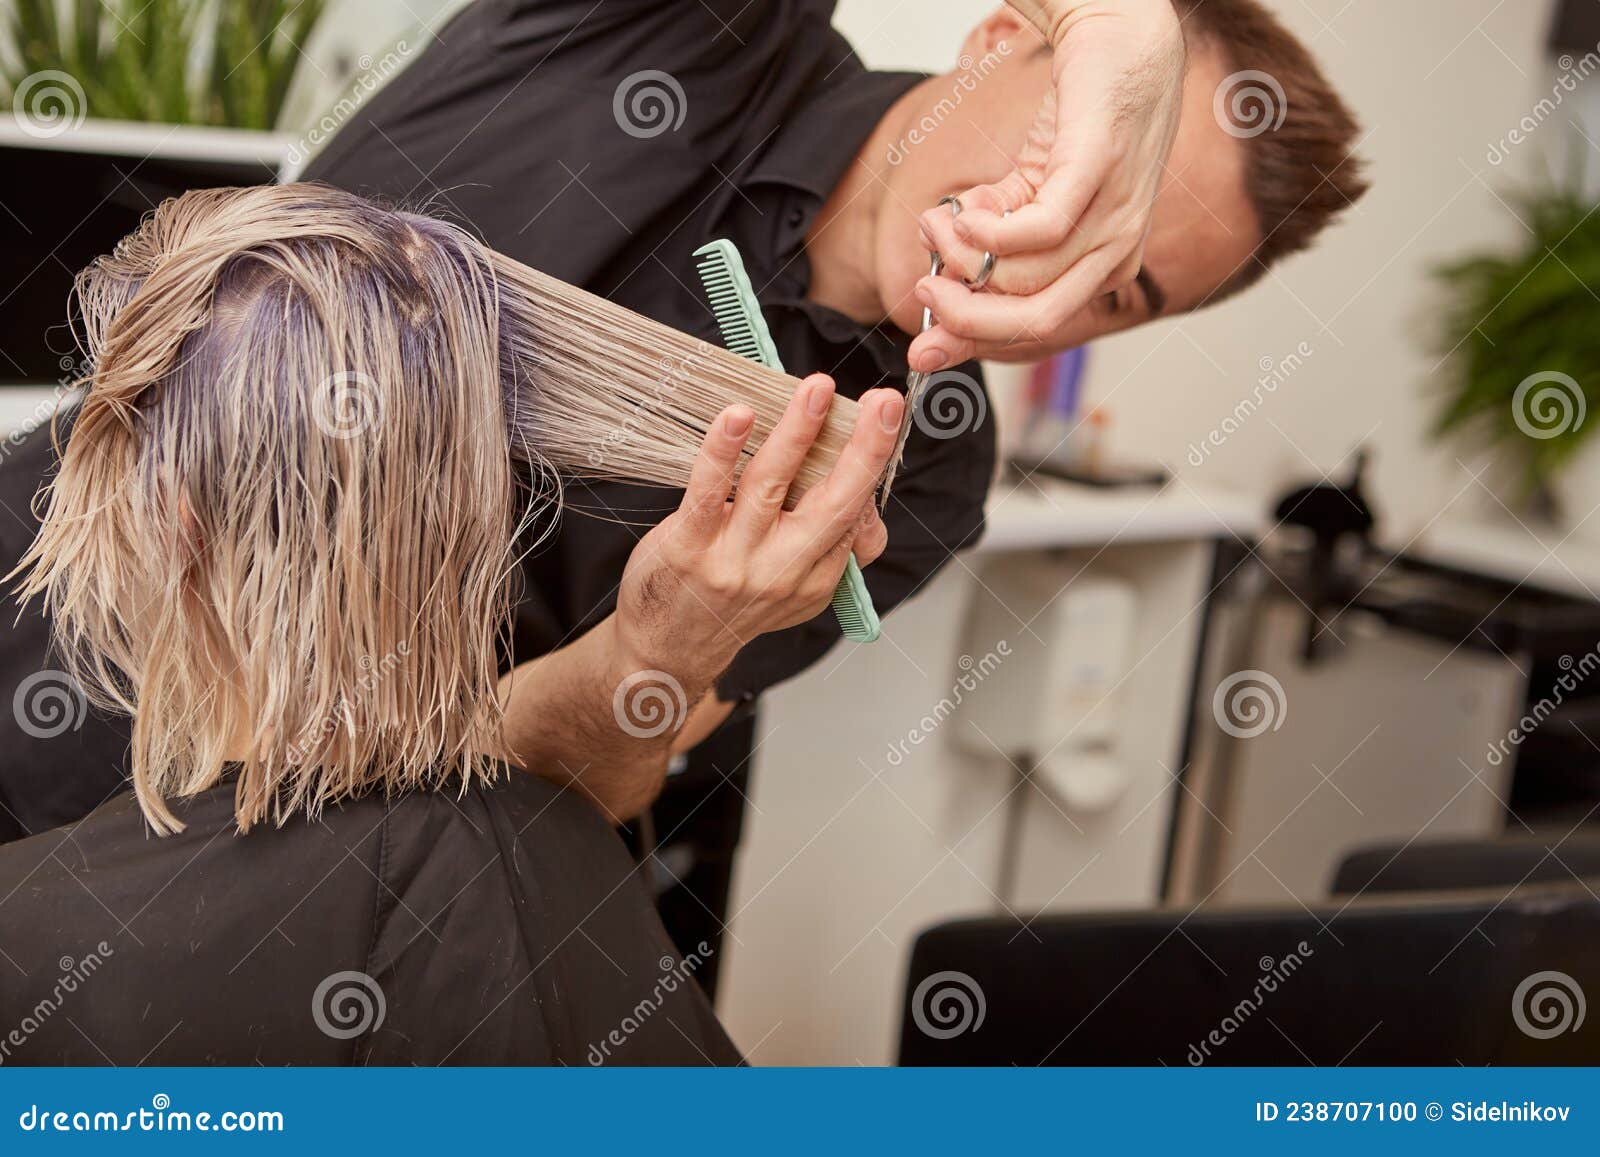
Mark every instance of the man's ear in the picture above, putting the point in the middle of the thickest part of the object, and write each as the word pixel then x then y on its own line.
pixel 1004 23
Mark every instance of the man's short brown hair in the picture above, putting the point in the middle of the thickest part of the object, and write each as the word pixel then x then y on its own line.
pixel 1300 167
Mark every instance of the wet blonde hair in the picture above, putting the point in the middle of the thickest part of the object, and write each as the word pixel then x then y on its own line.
pixel 286 511
pixel 285 518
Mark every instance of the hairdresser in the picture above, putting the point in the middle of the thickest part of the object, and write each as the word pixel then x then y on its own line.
pixel 604 143
pixel 304 628
pixel 531 122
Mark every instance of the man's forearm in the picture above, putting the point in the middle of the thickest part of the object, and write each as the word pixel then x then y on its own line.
pixel 592 716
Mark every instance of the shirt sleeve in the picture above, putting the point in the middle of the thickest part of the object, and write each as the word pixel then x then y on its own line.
pixel 935 510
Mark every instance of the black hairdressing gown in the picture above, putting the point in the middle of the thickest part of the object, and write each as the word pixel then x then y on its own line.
pixel 503 926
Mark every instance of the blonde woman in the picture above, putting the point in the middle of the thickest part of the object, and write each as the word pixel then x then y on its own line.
pixel 282 539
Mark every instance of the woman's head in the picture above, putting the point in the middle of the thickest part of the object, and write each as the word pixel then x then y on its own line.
pixel 282 532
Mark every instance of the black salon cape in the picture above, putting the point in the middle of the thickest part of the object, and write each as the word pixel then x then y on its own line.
pixel 503 926
pixel 54 767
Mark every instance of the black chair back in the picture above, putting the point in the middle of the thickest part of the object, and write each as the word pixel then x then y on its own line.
pixel 1468 978
pixel 1456 864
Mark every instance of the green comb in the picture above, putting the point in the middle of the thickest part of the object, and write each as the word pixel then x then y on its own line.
pixel 744 331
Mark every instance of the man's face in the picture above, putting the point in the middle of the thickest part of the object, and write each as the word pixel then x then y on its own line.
pixel 966 128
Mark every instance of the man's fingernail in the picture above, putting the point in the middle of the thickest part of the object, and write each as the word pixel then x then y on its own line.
pixel 962 228
pixel 738 423
pixel 890 415
pixel 820 398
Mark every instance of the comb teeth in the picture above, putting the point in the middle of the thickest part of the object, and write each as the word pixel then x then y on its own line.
pixel 852 606
pixel 733 304
pixel 845 607
pixel 744 332
pixel 727 307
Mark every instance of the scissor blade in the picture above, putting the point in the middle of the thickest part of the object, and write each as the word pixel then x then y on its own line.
pixel 916 382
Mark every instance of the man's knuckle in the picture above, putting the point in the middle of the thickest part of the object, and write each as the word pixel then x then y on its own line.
pixel 1026 282
pixel 769 491
pixel 723 582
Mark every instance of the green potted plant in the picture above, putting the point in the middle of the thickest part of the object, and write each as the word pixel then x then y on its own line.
pixel 194 62
pixel 1520 337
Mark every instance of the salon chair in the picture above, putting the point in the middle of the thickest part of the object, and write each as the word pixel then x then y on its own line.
pixel 1448 865
pixel 1434 979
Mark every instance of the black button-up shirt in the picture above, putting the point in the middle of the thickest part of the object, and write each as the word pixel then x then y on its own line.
pixel 530 122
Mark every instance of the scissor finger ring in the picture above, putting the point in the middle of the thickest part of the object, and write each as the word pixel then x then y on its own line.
pixel 986 267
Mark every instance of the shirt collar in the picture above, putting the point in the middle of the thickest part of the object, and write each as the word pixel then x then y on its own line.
pixel 816 144
pixel 810 154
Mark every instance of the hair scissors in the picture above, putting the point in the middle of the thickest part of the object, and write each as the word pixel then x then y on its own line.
pixel 917 380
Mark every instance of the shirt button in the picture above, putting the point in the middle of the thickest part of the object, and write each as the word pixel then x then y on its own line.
pixel 797 218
